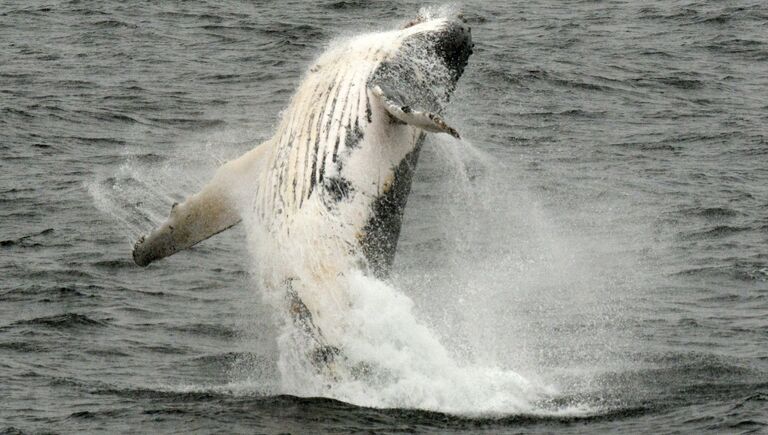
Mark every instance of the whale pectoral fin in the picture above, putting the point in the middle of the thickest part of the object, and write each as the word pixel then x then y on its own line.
pixel 401 111
pixel 199 217
pixel 204 214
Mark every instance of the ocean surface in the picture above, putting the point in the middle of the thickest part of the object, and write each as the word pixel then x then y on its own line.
pixel 600 232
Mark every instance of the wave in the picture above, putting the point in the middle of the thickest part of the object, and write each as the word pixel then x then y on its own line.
pixel 189 123
pixel 744 272
pixel 695 14
pixel 23 347
pixel 346 4
pixel 26 241
pixel 662 146
pixel 719 231
pixel 234 396
pixel 63 321
pixel 710 213
pixel 113 24
pixel 233 404
pixel 207 330
pixel 47 294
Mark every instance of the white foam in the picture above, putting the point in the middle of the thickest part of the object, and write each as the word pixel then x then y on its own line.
pixel 390 357
pixel 417 370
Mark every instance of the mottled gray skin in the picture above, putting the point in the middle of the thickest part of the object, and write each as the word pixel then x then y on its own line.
pixel 425 90
pixel 414 89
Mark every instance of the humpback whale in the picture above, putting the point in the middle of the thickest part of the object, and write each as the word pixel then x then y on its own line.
pixel 327 192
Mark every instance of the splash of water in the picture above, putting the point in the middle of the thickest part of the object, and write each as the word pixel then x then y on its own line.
pixel 140 192
pixel 434 336
pixel 392 358
pixel 413 369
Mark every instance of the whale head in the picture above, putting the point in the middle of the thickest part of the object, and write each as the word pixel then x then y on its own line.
pixel 450 39
pixel 429 61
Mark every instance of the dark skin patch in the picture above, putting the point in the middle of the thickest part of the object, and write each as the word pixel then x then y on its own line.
pixel 338 188
pixel 354 137
pixel 393 120
pixel 321 176
pixel 322 355
pixel 383 229
pixel 336 149
pixel 352 141
pixel 312 180
pixel 277 193
pixel 330 118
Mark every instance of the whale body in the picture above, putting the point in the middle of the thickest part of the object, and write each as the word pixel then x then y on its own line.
pixel 327 192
